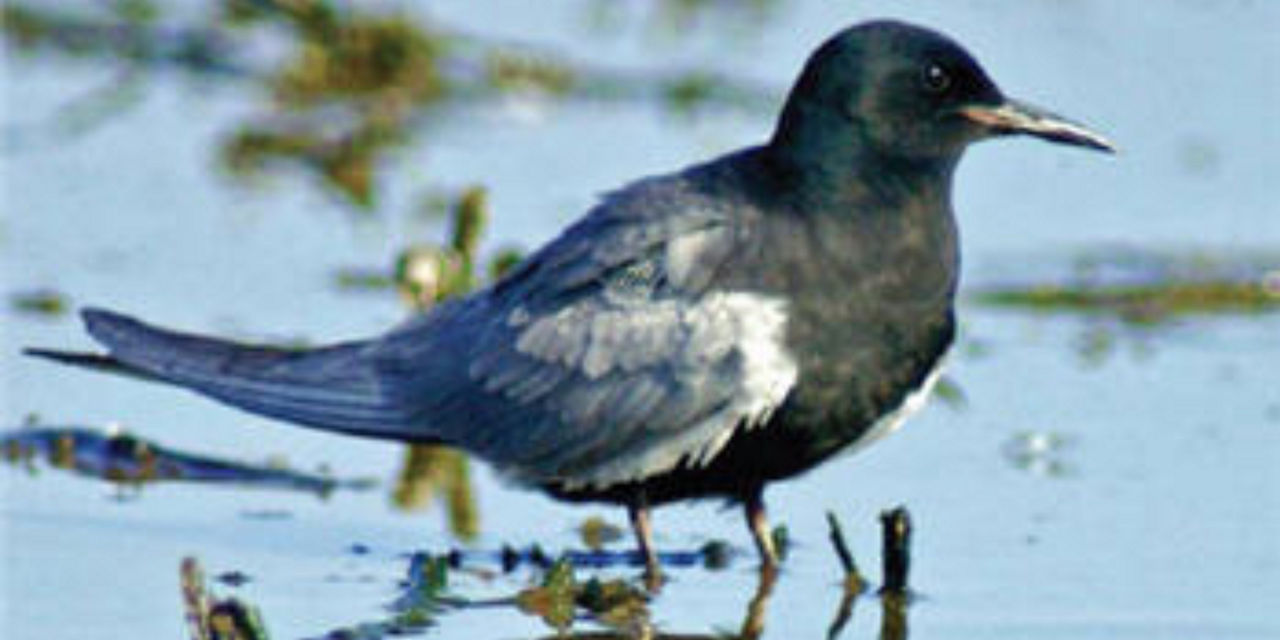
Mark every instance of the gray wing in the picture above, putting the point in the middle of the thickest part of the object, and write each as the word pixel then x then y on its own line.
pixel 607 357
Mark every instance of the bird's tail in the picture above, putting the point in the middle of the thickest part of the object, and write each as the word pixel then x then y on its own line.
pixel 334 388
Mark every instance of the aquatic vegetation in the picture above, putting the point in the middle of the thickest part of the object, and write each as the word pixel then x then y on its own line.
pixel 854 582
pixel 1141 303
pixel 596 532
pixel 39 302
pixel 424 595
pixel 1147 288
pixel 127 32
pixel 677 18
pixel 351 85
pixel 615 607
pixel 212 618
pixel 425 275
pixel 1042 453
pixel 553 600
pixel 559 598
pixel 1129 297
pixel 434 588
pixel 429 471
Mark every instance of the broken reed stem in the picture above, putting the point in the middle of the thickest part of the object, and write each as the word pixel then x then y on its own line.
pixel 896 529
pixel 841 545
pixel 893 616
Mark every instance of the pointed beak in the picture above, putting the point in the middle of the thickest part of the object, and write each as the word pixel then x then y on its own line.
pixel 1011 117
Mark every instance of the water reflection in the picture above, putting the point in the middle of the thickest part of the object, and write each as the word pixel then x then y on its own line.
pixel 640 627
pixel 431 471
pixel 626 612
pixel 130 461
pixel 619 609
pixel 434 589
pixel 623 608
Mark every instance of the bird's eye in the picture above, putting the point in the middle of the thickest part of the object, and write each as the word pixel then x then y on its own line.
pixel 936 79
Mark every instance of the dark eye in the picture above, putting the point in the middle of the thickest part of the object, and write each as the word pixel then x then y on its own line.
pixel 935 79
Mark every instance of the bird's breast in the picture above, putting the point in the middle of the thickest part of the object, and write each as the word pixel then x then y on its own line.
pixel 869 317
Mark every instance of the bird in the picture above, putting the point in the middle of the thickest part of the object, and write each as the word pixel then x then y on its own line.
pixel 697 334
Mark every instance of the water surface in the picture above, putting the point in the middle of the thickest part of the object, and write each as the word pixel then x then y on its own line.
pixel 1127 492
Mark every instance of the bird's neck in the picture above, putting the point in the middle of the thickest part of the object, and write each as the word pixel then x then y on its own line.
pixel 882 225
pixel 834 173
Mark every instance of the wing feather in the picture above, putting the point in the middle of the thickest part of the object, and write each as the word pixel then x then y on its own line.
pixel 611 355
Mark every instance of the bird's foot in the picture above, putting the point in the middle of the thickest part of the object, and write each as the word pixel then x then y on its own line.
pixel 653 578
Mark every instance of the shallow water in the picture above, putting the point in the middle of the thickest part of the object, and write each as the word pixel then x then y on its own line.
pixel 1128 491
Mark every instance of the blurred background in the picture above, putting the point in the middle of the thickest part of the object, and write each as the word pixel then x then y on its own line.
pixel 1103 460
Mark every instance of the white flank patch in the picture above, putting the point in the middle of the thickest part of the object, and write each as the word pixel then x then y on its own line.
pixel 769 371
pixel 889 422
pixel 748 326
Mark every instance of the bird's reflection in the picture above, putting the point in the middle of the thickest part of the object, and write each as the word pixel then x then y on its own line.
pixel 132 462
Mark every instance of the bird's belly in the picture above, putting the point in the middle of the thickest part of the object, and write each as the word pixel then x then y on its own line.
pixel 888 423
pixel 780 449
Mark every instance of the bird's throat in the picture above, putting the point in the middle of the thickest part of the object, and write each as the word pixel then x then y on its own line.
pixel 856 179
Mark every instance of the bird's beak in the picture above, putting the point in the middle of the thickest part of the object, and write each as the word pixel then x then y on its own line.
pixel 1012 116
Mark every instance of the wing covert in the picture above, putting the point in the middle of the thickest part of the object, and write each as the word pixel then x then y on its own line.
pixel 612 354
pixel 606 391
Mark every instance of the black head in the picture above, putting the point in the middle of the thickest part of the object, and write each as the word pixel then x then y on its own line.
pixel 898 90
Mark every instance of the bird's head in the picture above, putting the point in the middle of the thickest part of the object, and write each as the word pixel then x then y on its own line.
pixel 899 90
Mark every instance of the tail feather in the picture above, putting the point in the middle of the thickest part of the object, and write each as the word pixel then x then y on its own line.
pixel 335 388
pixel 96 361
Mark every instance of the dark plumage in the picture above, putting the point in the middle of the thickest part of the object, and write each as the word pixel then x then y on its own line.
pixel 696 334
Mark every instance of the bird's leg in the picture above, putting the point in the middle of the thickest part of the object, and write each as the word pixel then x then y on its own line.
pixel 758 522
pixel 638 510
pixel 753 624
